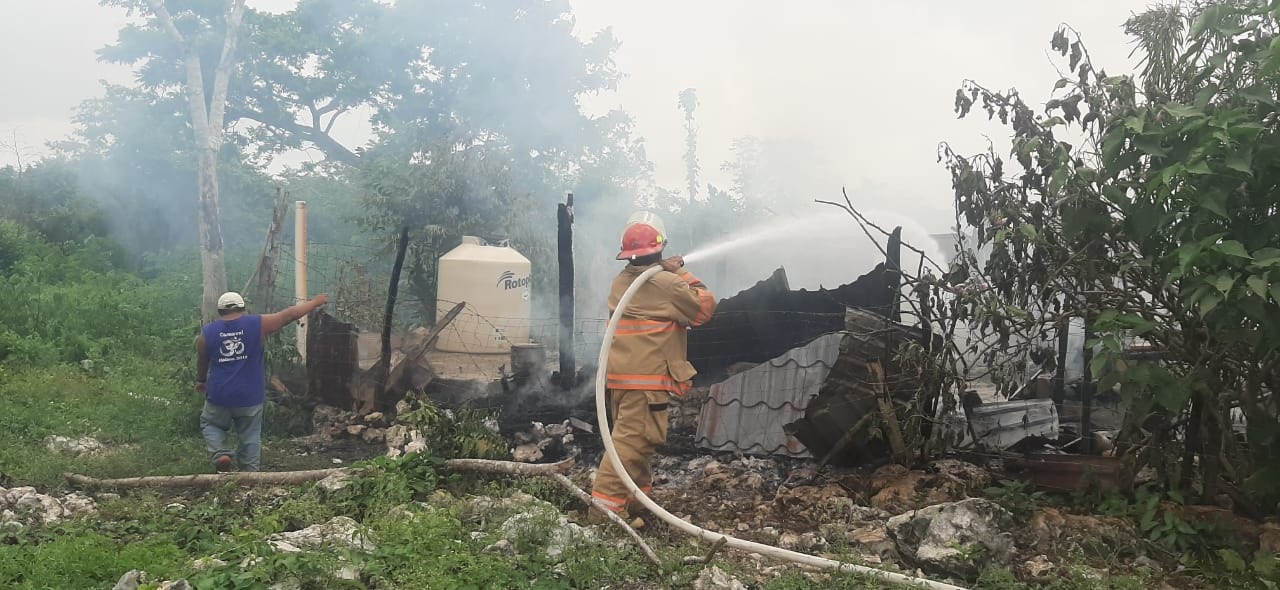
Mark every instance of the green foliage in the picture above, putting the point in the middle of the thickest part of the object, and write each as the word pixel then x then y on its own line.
pixel 1153 512
pixel 133 156
pixel 84 559
pixel 467 102
pixel 1018 497
pixel 455 434
pixel 138 410
pixel 1157 226
pixel 48 199
pixel 66 303
pixel 445 192
pixel 1260 570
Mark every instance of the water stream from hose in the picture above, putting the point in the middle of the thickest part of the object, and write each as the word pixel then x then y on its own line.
pixel 778 228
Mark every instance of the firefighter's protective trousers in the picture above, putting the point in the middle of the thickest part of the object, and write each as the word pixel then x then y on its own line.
pixel 639 426
pixel 647 364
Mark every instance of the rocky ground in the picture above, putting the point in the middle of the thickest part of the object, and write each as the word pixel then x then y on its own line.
pixel 932 521
pixel 937 521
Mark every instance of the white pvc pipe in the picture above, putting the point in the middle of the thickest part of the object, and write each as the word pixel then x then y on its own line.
pixel 696 531
pixel 300 269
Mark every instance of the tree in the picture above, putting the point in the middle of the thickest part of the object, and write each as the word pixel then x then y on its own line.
pixel 446 190
pixel 689 104
pixel 189 29
pixel 438 67
pixel 1160 225
pixel 504 74
pixel 134 153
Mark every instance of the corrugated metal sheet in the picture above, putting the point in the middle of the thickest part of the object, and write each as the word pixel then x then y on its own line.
pixel 1000 425
pixel 747 411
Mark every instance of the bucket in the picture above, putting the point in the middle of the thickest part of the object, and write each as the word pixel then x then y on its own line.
pixel 528 361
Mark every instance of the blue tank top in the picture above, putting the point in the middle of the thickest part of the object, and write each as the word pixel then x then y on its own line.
pixel 237 370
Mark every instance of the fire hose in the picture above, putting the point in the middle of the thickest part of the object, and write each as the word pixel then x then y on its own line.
pixel 690 528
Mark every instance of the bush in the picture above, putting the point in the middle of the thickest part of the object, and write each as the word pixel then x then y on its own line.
pixel 69 303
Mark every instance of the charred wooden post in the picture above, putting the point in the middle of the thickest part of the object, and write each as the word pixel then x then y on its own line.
pixel 568 364
pixel 384 359
pixel 930 386
pixel 893 274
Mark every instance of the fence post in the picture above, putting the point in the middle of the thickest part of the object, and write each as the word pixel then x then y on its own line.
pixel 568 364
pixel 300 269
pixel 893 274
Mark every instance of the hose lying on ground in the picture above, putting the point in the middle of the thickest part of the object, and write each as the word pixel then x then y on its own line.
pixel 696 531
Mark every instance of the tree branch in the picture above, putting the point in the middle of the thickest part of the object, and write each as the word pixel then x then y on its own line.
pixel 222 74
pixel 195 75
pixel 205 480
pixel 166 20
pixel 324 142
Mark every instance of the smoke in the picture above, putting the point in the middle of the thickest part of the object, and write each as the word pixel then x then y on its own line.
pixel 821 247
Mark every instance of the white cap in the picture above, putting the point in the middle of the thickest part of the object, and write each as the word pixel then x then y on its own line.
pixel 230 300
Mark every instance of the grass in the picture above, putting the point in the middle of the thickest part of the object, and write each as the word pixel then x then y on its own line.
pixel 148 425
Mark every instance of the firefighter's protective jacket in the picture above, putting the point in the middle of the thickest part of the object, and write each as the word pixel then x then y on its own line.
pixel 651 345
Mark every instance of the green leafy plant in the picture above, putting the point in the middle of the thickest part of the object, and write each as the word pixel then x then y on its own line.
pixel 1162 525
pixel 1018 497
pixel 1142 207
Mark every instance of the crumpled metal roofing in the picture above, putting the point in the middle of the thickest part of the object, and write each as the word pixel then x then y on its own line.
pixel 747 411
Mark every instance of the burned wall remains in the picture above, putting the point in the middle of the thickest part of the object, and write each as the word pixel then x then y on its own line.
pixel 769 319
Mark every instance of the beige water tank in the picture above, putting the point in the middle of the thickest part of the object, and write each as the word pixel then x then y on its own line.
pixel 494 281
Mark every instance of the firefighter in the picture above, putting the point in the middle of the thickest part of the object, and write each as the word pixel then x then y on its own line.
pixel 648 360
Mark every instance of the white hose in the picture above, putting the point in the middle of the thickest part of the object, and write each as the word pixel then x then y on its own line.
pixel 696 531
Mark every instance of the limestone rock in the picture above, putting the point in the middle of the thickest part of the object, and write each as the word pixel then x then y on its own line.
pixel 75 447
pixel 955 538
pixel 527 453
pixel 339 531
pixel 334 482
pixel 713 578
pixel 131 580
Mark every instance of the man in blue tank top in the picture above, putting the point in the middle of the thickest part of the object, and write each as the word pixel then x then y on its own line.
pixel 231 373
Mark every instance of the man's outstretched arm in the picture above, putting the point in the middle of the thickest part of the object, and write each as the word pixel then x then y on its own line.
pixel 274 322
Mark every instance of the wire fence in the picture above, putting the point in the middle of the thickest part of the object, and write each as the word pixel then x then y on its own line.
pixel 356 277
pixel 472 359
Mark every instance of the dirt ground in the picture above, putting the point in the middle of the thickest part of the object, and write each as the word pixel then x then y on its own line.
pixel 839 513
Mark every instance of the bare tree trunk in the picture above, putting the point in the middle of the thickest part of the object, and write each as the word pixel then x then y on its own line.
pixel 1211 458
pixel 213 268
pixel 207 118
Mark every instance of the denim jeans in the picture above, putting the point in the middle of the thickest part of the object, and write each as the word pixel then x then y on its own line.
pixel 216 423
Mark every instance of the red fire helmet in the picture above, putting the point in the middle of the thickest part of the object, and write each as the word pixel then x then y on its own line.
pixel 641 239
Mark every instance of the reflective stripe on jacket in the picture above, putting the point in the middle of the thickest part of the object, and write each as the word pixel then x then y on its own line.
pixel 650 348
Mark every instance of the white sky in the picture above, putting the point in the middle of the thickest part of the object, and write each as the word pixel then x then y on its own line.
pixel 869 83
